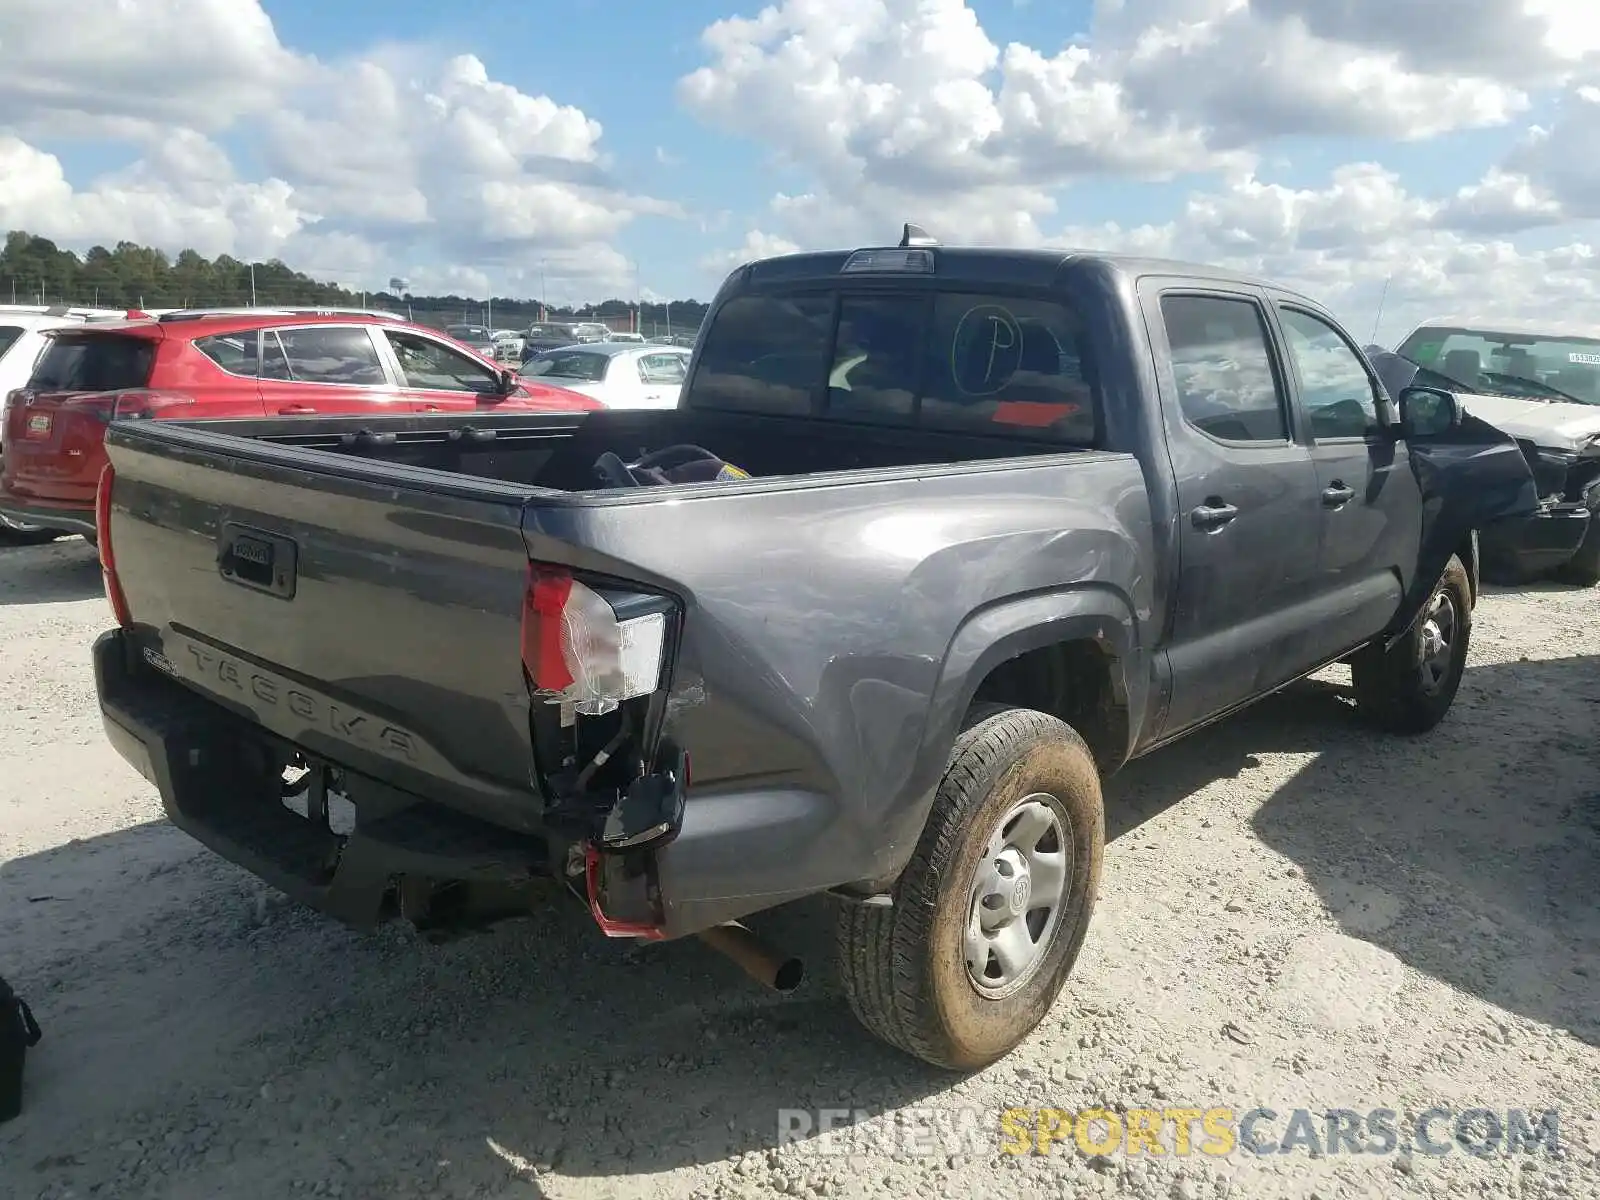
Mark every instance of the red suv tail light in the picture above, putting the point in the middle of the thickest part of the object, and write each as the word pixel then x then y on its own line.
pixel 137 404
pixel 102 537
pixel 576 648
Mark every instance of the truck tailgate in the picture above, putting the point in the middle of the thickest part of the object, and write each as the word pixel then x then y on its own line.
pixel 371 617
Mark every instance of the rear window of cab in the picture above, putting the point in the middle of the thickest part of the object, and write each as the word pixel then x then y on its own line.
pixel 964 362
pixel 102 362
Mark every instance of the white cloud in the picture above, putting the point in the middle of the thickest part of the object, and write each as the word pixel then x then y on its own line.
pixel 911 97
pixel 139 65
pixel 390 161
pixel 756 245
pixel 908 110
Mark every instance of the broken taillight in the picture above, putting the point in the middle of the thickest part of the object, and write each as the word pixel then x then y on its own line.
pixel 576 648
pixel 102 537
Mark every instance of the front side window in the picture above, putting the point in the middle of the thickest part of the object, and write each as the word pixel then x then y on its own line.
pixel 427 365
pixel 1222 364
pixel 324 354
pixel 1544 367
pixel 8 337
pixel 1334 387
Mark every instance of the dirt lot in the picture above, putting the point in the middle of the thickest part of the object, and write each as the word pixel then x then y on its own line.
pixel 1296 915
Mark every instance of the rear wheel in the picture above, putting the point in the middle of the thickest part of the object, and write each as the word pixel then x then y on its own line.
pixel 990 913
pixel 1409 688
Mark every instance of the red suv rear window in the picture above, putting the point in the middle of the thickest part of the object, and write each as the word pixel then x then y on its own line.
pixel 94 363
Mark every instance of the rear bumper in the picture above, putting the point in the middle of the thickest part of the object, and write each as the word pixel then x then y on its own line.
pixel 28 514
pixel 198 754
pixel 1535 544
pixel 735 853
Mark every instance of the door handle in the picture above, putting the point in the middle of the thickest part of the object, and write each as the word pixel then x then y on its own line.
pixel 430 408
pixel 1214 514
pixel 1336 494
pixel 296 410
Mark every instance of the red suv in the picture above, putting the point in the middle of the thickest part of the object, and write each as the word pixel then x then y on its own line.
pixel 244 363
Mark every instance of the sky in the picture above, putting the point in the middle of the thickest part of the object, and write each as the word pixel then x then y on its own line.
pixel 1437 156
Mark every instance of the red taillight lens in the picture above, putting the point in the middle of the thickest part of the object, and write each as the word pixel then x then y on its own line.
pixel 575 649
pixel 102 537
pixel 542 629
pixel 138 404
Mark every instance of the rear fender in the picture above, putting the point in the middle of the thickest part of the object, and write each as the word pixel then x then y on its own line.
pixel 1471 477
pixel 1002 631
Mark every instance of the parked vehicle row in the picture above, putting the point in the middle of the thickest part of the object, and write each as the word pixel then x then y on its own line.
pixel 226 364
pixel 935 540
pixel 618 374
pixel 1539 382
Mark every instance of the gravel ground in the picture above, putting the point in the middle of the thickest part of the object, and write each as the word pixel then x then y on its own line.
pixel 1296 914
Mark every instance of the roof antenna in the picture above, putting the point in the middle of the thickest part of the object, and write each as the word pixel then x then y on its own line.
pixel 916 235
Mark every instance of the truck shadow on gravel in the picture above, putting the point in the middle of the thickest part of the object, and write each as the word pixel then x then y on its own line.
pixel 54 573
pixel 202 1030
pixel 1470 854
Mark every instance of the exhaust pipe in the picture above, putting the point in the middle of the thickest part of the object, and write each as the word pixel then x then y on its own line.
pixel 768 967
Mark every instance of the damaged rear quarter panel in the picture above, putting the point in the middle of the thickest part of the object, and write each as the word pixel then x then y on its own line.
pixel 822 674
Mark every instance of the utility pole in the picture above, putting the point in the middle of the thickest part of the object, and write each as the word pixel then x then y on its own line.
pixel 252 285
pixel 1381 299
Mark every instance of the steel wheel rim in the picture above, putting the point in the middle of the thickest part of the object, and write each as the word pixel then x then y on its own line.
pixel 1439 632
pixel 1016 897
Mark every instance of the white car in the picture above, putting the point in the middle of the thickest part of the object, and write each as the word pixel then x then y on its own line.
pixel 618 374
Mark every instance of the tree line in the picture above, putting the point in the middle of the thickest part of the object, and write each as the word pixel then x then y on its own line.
pixel 34 270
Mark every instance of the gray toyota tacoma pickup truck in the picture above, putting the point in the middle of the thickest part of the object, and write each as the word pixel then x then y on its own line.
pixel 971 529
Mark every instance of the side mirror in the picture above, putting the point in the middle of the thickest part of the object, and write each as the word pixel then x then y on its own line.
pixel 1427 412
pixel 508 383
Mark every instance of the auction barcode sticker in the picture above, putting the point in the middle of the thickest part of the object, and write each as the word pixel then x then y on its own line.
pixel 1590 359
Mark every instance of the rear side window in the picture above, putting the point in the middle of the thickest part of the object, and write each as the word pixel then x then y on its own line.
pixel 969 362
pixel 8 337
pixel 235 353
pixel 94 363
pixel 1223 368
pixel 664 369
pixel 323 354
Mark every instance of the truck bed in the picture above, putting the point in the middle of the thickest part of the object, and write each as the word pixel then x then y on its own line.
pixel 557 451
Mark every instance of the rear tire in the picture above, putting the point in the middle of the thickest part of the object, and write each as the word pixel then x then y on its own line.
pixel 1409 689
pixel 1010 859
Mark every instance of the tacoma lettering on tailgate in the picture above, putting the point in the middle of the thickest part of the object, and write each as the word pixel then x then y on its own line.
pixel 340 720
